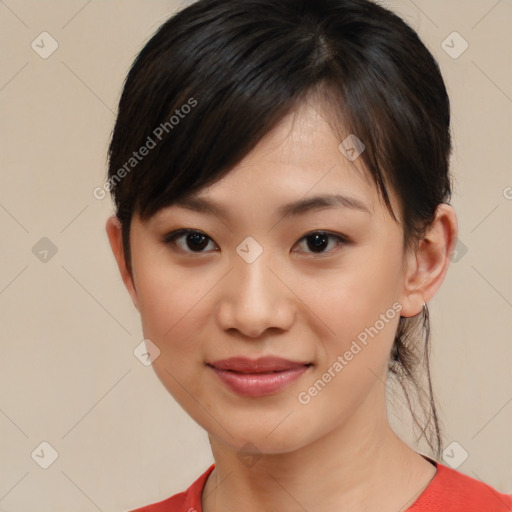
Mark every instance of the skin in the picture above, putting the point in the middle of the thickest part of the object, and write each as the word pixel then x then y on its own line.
pixel 294 303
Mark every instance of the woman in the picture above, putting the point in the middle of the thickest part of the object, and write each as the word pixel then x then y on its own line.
pixel 280 175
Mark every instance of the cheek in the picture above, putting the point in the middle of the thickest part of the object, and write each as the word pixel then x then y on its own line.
pixel 352 298
pixel 353 358
pixel 171 300
pixel 174 311
pixel 358 303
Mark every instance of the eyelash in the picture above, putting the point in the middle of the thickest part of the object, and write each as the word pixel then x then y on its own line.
pixel 173 236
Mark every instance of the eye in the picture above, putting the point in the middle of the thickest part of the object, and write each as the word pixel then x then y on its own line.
pixel 322 241
pixel 189 240
pixel 194 241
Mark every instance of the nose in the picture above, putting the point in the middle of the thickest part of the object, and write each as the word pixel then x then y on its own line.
pixel 255 299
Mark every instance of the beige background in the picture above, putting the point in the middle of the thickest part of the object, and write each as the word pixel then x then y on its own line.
pixel 68 328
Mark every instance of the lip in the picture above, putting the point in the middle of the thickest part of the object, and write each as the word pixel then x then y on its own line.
pixel 258 377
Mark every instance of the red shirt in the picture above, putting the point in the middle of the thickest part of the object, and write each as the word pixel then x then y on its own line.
pixel 449 491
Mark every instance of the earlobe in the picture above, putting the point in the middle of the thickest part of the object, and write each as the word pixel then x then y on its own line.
pixel 114 233
pixel 426 266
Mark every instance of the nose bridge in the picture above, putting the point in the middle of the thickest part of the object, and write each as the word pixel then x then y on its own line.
pixel 254 299
pixel 253 279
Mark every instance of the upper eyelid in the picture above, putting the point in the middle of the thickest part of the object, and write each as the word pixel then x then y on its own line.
pixel 173 235
pixel 185 231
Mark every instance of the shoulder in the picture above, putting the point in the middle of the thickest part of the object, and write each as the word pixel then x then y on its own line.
pixel 452 491
pixel 186 501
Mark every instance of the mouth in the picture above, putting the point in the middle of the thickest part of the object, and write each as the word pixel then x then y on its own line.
pixel 259 377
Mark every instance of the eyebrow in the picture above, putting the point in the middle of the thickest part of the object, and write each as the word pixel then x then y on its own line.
pixel 300 207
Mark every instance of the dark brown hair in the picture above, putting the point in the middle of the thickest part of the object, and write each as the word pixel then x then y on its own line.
pixel 220 74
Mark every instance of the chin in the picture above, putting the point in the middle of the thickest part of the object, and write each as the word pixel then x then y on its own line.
pixel 258 441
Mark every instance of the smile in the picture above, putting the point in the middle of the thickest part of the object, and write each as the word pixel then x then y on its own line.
pixel 255 378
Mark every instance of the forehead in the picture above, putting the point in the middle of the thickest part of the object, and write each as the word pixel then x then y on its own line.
pixel 297 162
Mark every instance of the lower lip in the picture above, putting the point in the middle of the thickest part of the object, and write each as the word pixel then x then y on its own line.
pixel 259 384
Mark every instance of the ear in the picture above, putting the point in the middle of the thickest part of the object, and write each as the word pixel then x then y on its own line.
pixel 426 266
pixel 114 233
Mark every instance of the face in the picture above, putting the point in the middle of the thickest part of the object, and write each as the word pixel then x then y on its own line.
pixel 319 285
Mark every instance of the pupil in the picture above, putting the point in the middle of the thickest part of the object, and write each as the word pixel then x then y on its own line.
pixel 318 241
pixel 196 241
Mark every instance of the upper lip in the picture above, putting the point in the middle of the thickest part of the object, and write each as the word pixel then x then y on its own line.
pixel 263 364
